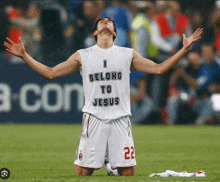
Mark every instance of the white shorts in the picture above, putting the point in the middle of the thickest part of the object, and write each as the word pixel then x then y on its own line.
pixel 98 138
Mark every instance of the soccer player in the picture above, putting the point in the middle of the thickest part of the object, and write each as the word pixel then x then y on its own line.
pixel 105 69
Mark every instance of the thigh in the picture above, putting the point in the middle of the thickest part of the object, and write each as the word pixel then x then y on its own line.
pixel 121 149
pixel 92 143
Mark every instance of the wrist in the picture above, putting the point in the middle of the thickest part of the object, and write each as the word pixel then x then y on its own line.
pixel 185 49
pixel 24 55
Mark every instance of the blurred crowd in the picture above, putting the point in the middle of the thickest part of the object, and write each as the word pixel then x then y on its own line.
pixel 52 30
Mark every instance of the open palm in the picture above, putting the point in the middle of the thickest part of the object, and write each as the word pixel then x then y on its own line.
pixel 187 42
pixel 15 49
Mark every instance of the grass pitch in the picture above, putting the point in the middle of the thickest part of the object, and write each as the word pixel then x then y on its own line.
pixel 47 152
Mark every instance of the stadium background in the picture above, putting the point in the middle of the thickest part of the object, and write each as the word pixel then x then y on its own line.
pixel 27 98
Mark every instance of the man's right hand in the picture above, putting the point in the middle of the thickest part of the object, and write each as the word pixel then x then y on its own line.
pixel 15 49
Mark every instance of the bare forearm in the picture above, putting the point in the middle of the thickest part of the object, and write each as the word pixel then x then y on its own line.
pixel 191 81
pixel 165 66
pixel 38 67
pixel 173 80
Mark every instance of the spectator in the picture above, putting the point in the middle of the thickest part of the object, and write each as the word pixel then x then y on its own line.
pixel 212 29
pixel 83 35
pixel 140 37
pixel 196 20
pixel 181 93
pixel 132 7
pixel 30 28
pixel 161 6
pixel 89 20
pixel 15 11
pixel 201 75
pixel 100 7
pixel 216 12
pixel 141 104
pixel 141 30
pixel 213 64
pixel 123 20
pixel 166 34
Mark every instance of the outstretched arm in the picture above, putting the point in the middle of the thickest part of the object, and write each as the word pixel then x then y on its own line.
pixel 148 66
pixel 62 69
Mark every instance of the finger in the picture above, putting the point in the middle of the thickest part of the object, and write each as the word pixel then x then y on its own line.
pixel 19 39
pixel 9 40
pixel 198 35
pixel 7 45
pixel 197 31
pixel 184 36
pixel 201 31
pixel 197 38
pixel 9 51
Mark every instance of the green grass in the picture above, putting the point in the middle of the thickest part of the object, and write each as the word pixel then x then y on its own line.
pixel 47 152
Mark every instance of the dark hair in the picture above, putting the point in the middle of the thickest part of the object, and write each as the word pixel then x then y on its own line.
pixel 96 24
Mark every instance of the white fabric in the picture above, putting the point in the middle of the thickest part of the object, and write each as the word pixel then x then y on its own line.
pixel 157 38
pixel 106 81
pixel 169 173
pixel 110 171
pixel 98 138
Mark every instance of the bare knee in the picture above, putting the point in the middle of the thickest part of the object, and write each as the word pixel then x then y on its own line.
pixel 126 171
pixel 83 171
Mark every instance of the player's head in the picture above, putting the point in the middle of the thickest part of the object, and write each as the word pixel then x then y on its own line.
pixel 99 21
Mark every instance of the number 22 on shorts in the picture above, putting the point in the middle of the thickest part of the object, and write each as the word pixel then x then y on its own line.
pixel 129 152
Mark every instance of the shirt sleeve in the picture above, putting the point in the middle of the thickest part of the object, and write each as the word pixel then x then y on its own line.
pixel 158 39
pixel 142 41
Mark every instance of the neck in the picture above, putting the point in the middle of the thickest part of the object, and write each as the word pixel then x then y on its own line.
pixel 171 15
pixel 104 41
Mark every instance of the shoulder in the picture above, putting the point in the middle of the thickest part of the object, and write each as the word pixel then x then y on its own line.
pixel 183 18
pixel 160 17
pixel 86 50
pixel 123 49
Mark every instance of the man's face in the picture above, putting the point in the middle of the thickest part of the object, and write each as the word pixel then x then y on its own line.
pixel 194 59
pixel 208 53
pixel 105 24
pixel 174 8
pixel 88 8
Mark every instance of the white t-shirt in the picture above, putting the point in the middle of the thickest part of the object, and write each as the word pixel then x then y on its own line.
pixel 106 81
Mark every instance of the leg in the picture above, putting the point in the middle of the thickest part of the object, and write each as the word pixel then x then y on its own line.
pixel 91 149
pixel 126 171
pixel 83 171
pixel 121 151
pixel 142 111
pixel 172 109
pixel 156 89
pixel 204 109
